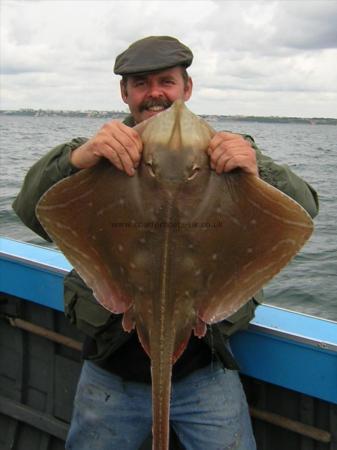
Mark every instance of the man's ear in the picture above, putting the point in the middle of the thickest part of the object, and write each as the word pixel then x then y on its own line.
pixel 188 89
pixel 124 92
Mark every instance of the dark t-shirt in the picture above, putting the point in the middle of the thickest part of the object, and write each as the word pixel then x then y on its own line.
pixel 131 363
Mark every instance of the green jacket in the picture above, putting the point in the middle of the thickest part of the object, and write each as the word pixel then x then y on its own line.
pixel 82 308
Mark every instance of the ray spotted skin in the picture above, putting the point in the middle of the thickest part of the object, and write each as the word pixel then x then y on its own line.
pixel 176 246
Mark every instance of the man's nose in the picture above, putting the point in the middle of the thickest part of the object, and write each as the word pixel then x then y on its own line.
pixel 155 91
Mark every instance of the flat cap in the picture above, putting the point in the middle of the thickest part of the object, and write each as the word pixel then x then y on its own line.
pixel 153 53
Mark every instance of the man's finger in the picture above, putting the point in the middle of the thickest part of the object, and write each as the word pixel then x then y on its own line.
pixel 117 151
pixel 220 137
pixel 107 152
pixel 126 146
pixel 132 135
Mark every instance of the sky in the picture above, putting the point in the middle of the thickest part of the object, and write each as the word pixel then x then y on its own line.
pixel 262 58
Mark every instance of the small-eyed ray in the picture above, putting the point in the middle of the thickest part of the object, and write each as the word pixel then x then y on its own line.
pixel 176 246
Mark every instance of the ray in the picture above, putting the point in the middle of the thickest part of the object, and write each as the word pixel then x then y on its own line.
pixel 176 246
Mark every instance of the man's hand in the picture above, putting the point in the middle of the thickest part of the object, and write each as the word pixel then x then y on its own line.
pixel 118 143
pixel 230 151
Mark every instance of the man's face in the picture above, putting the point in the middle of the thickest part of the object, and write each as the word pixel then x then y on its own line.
pixel 149 94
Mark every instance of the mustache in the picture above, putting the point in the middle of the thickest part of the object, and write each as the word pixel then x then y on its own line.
pixel 150 103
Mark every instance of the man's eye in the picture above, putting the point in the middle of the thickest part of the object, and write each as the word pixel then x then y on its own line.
pixel 139 83
pixel 168 82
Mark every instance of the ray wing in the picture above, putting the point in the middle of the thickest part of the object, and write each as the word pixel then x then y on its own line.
pixel 172 257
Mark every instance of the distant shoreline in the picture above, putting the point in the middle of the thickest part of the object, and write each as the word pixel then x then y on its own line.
pixel 121 115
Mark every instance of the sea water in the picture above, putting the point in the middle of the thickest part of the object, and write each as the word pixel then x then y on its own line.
pixel 308 284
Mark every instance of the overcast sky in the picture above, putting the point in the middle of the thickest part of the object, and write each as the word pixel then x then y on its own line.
pixel 250 57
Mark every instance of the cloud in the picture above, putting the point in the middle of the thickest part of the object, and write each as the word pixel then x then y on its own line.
pixel 249 55
pixel 310 26
pixel 256 47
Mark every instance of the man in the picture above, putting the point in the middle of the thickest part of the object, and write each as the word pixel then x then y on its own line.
pixel 148 92
pixel 113 402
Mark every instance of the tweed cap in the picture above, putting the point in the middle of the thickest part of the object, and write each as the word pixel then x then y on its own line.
pixel 153 53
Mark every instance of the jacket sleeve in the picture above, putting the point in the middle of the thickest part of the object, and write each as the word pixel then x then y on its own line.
pixel 281 177
pixel 50 169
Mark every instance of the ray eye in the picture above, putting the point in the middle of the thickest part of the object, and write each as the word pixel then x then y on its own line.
pixel 150 168
pixel 195 170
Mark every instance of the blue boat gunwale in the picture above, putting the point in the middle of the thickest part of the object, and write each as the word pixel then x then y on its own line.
pixel 31 254
pixel 282 336
pixel 273 319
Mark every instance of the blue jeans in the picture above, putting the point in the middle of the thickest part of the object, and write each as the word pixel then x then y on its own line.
pixel 208 411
